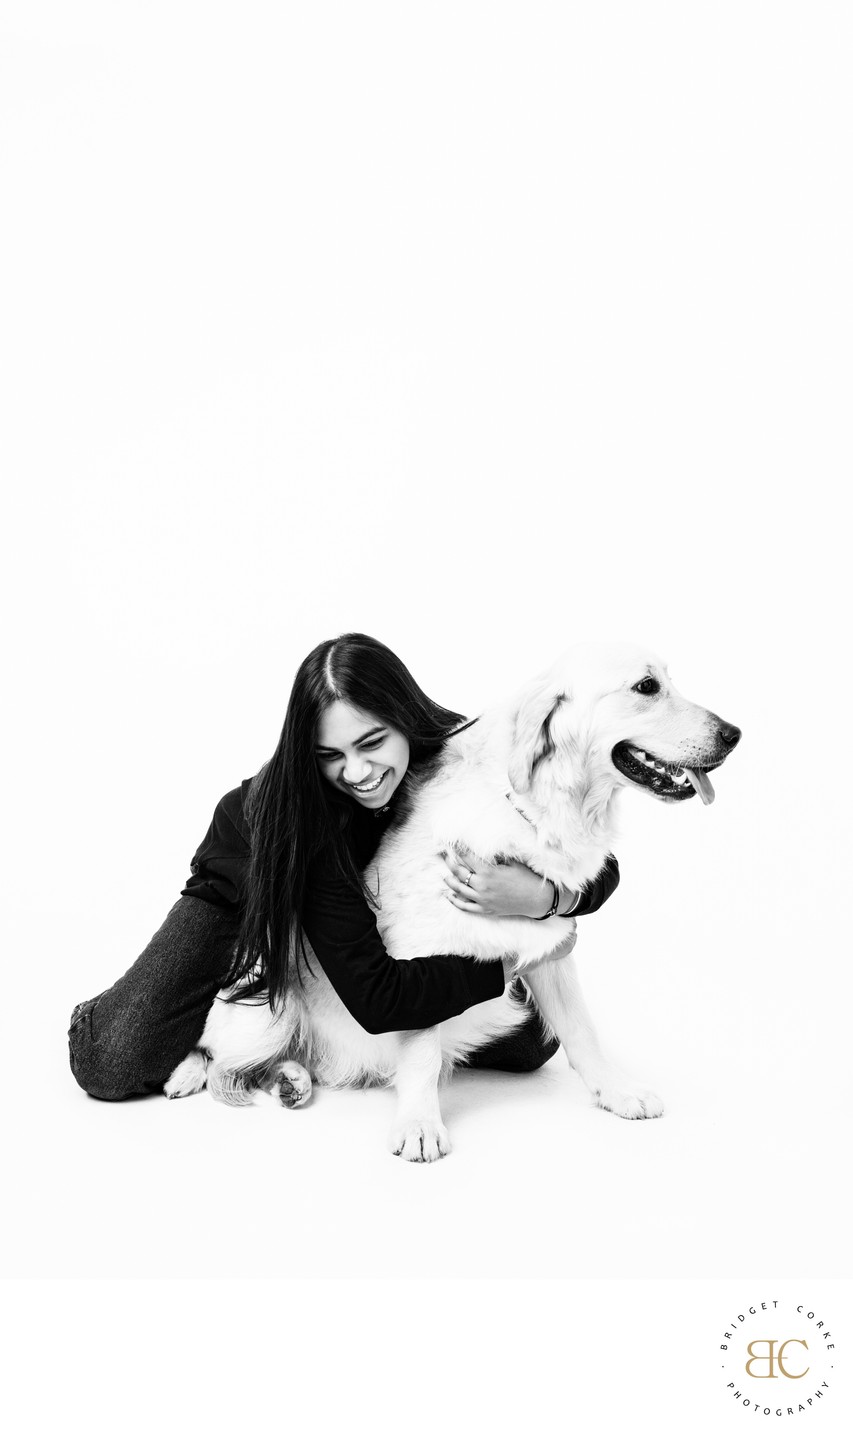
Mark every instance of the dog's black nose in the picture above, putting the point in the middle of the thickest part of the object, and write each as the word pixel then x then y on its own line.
pixel 730 735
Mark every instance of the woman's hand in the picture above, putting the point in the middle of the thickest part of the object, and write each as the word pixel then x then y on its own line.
pixel 510 889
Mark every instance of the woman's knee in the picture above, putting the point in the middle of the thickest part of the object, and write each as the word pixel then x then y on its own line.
pixel 534 1052
pixel 525 1048
pixel 128 1040
pixel 541 1051
pixel 108 1068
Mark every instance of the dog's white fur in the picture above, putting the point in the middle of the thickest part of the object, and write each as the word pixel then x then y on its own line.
pixel 531 780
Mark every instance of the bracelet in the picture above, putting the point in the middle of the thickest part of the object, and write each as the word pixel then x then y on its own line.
pixel 574 906
pixel 554 904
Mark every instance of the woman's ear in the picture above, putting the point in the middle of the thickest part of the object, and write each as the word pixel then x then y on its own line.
pixel 532 741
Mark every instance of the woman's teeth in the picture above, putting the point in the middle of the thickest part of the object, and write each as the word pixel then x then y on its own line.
pixel 371 786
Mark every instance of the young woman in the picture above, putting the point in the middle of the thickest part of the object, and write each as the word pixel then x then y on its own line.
pixel 282 862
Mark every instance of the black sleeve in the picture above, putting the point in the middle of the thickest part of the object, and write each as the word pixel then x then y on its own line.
pixel 599 889
pixel 220 866
pixel 380 993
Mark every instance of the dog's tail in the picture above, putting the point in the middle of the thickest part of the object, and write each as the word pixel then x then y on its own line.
pixel 233 1087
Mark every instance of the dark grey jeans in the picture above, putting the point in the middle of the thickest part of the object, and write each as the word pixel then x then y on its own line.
pixel 128 1040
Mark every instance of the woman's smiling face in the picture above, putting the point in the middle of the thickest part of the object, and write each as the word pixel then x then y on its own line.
pixel 360 755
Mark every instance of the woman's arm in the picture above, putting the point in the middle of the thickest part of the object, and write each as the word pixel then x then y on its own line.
pixel 380 993
pixel 512 889
pixel 598 890
pixel 221 863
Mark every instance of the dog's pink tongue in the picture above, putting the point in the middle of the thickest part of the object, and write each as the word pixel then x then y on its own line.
pixel 701 783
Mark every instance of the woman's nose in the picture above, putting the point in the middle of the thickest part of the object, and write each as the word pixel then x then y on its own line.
pixel 356 769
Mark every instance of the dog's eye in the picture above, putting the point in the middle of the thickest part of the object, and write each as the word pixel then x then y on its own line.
pixel 647 688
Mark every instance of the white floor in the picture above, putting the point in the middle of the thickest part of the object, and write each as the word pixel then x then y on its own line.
pixel 538 1183
pixel 709 978
pixel 740 1175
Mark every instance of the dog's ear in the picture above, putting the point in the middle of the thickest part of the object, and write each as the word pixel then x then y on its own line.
pixel 532 741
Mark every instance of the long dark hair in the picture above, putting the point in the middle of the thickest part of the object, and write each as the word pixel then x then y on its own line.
pixel 294 813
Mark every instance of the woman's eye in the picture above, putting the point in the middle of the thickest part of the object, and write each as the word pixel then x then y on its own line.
pixel 369 746
pixel 648 687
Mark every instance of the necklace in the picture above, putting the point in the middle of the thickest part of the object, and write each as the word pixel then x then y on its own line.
pixel 509 796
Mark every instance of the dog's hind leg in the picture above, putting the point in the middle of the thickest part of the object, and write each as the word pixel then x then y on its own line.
pixel 556 990
pixel 291 1084
pixel 418 1133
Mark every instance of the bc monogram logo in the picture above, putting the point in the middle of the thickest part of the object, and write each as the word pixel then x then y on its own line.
pixel 780 1341
pixel 770 1358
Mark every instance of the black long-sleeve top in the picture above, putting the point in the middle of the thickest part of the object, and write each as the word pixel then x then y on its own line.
pixel 380 993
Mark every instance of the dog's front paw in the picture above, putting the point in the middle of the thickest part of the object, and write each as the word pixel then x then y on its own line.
pixel 420 1141
pixel 630 1101
pixel 188 1078
pixel 291 1084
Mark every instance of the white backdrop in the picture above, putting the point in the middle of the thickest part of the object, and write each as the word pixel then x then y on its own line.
pixel 482 329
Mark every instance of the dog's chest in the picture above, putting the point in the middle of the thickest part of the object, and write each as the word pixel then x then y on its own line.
pixel 408 875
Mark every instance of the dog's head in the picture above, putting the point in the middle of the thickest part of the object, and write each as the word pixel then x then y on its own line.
pixel 606 715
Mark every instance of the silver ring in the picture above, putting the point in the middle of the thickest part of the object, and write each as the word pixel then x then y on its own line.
pixel 468 878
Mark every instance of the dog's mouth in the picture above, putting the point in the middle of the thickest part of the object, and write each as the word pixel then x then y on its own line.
pixel 663 779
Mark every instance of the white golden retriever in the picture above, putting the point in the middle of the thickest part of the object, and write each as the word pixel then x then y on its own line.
pixel 535 780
